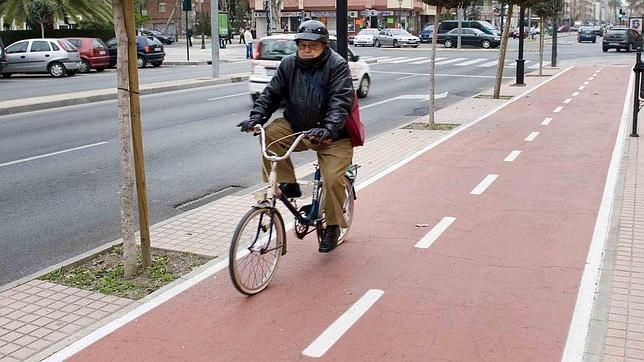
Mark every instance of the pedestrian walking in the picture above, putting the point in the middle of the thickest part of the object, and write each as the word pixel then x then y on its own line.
pixel 248 38
pixel 189 36
pixel 241 36
pixel 533 32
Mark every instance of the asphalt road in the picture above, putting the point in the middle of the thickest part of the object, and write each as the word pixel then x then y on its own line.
pixel 59 169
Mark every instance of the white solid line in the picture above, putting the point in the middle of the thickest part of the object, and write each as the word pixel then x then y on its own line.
pixel 96 335
pixel 575 94
pixel 512 156
pixel 578 332
pixel 51 154
pixel 228 96
pixel 568 100
pixel 448 61
pixel 408 159
pixel 470 62
pixel 558 109
pixel 341 325
pixel 435 232
pixel 483 185
pixel 582 87
pixel 531 136
pixel 546 121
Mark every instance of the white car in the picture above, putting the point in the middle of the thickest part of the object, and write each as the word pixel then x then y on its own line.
pixel 366 37
pixel 270 50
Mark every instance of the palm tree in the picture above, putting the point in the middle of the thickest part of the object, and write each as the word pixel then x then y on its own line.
pixel 99 11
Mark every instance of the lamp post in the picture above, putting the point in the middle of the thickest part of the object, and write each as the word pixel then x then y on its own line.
pixel 203 26
pixel 400 13
pixel 520 75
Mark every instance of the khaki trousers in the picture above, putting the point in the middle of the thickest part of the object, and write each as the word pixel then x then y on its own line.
pixel 334 159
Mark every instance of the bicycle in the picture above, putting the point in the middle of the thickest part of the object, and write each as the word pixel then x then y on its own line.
pixel 259 240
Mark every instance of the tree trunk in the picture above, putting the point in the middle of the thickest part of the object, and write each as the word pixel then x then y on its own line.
pixel 125 137
pixel 504 48
pixel 553 55
pixel 541 45
pixel 432 67
pixel 42 30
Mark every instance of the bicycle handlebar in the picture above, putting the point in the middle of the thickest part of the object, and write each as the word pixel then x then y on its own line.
pixel 259 129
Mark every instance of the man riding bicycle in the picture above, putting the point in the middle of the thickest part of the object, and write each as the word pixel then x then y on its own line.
pixel 316 85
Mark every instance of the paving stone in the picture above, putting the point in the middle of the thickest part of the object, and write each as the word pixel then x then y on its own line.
pixel 9 348
pixel 23 353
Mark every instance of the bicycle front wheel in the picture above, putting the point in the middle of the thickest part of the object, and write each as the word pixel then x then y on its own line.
pixel 256 249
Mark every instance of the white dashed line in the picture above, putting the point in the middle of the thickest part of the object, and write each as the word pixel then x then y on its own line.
pixel 341 325
pixel 531 136
pixel 591 78
pixel 568 100
pixel 575 94
pixel 51 154
pixel 586 83
pixel 582 87
pixel 558 109
pixel 546 121
pixel 435 233
pixel 228 96
pixel 512 156
pixel 487 181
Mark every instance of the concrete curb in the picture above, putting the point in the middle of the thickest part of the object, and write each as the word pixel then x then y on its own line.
pixel 39 103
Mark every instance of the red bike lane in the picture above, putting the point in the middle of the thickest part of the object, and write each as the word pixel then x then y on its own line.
pixel 500 282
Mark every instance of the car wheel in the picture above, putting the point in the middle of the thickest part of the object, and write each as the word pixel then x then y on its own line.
pixel 448 43
pixel 100 69
pixel 57 70
pixel 378 43
pixel 395 44
pixel 156 64
pixel 486 44
pixel 85 67
pixel 594 41
pixel 414 46
pixel 6 75
pixel 140 62
pixel 363 88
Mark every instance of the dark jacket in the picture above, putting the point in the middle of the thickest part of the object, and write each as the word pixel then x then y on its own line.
pixel 306 107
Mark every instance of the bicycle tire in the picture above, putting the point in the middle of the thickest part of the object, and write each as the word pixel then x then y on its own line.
pixel 245 252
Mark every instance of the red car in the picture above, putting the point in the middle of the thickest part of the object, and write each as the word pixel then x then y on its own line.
pixel 93 52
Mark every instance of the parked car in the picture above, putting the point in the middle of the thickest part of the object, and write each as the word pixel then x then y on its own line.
pixel 163 38
pixel 484 26
pixel 396 38
pixel 58 57
pixel 586 34
pixel 3 56
pixel 515 32
pixel 564 29
pixel 270 50
pixel 469 36
pixel 148 50
pixel 366 37
pixel 350 37
pixel 93 53
pixel 427 33
pixel 622 38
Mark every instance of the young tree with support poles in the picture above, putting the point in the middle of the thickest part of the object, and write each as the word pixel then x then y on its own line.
pixel 129 113
pixel 41 11
pixel 440 6
pixel 546 9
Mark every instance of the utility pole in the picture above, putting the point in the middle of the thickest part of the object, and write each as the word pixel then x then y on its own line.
pixel 341 16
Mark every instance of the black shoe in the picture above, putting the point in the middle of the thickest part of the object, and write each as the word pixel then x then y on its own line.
pixel 291 191
pixel 330 237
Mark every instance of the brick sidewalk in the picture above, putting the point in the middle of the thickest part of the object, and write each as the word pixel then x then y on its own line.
pixel 79 312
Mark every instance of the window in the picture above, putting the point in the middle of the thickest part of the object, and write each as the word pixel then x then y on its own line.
pixel 18 48
pixel 54 46
pixel 39 46
pixel 75 42
pixel 162 8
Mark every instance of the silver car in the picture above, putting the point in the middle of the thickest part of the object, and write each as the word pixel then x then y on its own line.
pixel 57 57
pixel 396 38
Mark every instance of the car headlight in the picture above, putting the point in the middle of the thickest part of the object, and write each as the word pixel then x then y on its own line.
pixel 497 38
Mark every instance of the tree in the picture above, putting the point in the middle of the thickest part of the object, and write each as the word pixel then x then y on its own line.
pixel 635 6
pixel 41 11
pixel 546 9
pixel 614 5
pixel 440 5
pixel 95 11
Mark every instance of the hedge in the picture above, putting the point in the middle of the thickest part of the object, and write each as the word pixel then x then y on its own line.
pixel 12 36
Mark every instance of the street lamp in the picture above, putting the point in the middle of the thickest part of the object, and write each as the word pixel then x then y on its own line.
pixel 400 13
pixel 203 26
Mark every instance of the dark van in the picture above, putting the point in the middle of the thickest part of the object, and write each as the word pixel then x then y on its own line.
pixel 484 26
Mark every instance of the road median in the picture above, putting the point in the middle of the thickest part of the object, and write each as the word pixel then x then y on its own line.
pixel 23 105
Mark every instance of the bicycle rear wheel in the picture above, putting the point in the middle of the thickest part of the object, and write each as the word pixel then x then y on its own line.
pixel 256 249
pixel 347 211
